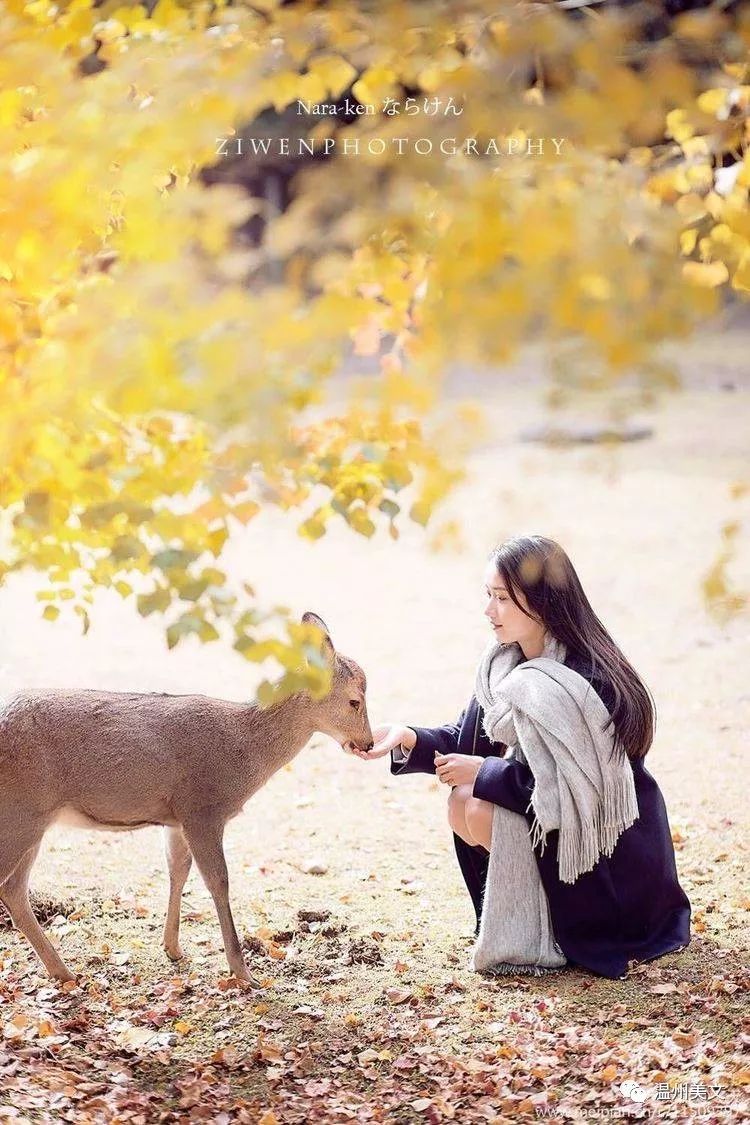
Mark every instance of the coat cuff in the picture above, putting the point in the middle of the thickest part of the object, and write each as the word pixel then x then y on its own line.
pixel 419 760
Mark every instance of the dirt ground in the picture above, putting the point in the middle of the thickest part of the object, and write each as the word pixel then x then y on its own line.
pixel 369 1010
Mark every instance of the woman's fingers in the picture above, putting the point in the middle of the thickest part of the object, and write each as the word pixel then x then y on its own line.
pixel 385 740
pixel 444 768
pixel 386 737
pixel 376 752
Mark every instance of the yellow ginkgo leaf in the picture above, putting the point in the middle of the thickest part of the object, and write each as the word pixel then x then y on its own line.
pixel 376 84
pixel 741 277
pixel 706 274
pixel 334 72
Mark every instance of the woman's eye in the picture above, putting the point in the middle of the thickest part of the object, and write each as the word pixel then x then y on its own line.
pixel 354 703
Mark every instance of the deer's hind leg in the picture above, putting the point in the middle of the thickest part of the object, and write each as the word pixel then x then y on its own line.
pixel 179 860
pixel 16 860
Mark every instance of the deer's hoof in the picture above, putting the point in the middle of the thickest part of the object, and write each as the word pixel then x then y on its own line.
pixel 174 952
pixel 247 978
pixel 64 976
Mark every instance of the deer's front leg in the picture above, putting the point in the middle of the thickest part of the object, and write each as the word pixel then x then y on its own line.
pixel 179 860
pixel 205 841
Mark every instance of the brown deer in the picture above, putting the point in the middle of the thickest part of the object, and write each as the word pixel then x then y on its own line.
pixel 119 761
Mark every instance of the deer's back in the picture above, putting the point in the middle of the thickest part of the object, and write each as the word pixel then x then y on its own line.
pixel 111 749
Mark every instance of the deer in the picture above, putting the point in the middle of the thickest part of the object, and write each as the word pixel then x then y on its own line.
pixel 120 761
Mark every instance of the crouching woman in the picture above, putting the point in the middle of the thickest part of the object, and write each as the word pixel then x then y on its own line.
pixel 561 832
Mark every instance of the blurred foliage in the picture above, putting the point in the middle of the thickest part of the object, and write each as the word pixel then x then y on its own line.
pixel 154 393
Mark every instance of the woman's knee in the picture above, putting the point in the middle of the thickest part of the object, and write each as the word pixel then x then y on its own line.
pixel 478 816
pixel 457 800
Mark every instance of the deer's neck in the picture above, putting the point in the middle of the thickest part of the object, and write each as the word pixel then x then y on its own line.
pixel 275 735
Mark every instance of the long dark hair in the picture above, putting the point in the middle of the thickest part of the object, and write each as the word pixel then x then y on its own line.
pixel 540 569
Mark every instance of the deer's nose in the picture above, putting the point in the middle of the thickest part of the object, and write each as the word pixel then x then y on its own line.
pixel 370 745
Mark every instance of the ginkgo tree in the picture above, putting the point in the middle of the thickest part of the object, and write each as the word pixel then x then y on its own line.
pixel 156 388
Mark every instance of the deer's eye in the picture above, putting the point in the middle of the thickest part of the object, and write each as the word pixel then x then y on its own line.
pixel 355 704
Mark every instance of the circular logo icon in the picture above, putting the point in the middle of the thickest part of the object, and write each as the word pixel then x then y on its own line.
pixel 633 1091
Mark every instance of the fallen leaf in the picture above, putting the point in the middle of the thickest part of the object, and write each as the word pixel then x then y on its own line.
pixel 317 1086
pixel 134 1037
pixel 367 1056
pixel 269 1050
pixel 398 995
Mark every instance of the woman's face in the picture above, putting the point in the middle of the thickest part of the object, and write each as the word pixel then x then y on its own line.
pixel 510 623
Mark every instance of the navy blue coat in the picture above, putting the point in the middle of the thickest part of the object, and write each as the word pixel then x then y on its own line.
pixel 630 906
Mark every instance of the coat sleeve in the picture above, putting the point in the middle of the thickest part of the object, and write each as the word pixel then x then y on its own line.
pixel 430 741
pixel 503 781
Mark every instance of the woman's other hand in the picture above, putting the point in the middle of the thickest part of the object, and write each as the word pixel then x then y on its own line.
pixel 457 769
pixel 386 738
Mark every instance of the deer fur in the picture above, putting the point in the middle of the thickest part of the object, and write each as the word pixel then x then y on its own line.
pixel 119 761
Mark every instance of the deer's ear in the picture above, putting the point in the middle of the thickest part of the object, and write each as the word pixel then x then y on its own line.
pixel 313 619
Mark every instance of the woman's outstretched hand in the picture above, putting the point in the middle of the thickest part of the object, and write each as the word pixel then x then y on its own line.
pixel 457 769
pixel 386 738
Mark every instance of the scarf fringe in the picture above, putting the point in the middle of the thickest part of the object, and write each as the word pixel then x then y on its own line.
pixel 507 969
pixel 580 848
pixel 537 832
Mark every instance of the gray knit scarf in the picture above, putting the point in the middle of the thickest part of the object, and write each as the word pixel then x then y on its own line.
pixel 552 720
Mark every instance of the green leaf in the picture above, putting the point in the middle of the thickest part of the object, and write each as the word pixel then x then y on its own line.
pixel 390 507
pixel 244 644
pixel 192 589
pixel 266 693
pixel 174 558
pixel 155 602
pixel 126 547
pixel 85 618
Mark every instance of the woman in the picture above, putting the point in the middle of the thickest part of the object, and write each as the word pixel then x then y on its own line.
pixel 620 901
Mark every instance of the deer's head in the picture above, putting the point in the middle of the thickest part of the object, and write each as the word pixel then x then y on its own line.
pixel 343 713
